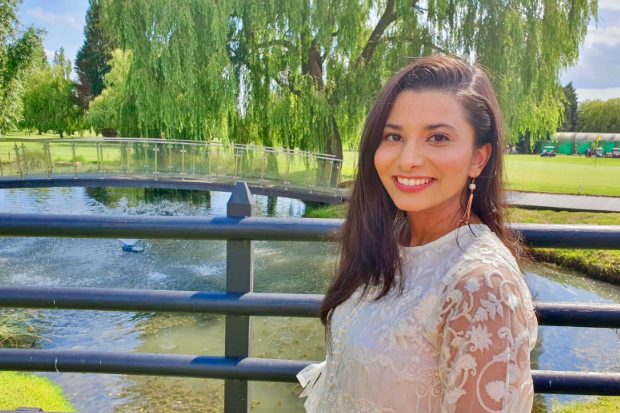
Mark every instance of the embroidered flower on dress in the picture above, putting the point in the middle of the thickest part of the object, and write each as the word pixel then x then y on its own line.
pixel 493 305
pixel 466 363
pixel 512 302
pixel 480 338
pixel 472 285
pixel 496 390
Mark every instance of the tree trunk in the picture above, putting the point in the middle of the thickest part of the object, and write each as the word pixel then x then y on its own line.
pixel 334 147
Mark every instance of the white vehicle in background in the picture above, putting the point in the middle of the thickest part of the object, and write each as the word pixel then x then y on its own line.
pixel 548 151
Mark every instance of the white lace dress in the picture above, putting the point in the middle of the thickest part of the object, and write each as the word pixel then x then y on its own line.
pixel 457 340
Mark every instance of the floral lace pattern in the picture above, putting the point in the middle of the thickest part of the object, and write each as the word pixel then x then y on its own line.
pixel 457 340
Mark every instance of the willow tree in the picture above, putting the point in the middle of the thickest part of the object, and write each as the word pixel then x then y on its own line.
pixel 304 73
pixel 20 51
pixel 181 79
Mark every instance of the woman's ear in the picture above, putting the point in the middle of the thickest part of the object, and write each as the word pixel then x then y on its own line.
pixel 479 159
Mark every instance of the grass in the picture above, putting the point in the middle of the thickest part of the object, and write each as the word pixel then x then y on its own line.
pixel 19 389
pixel 562 175
pixel 328 211
pixel 26 390
pixel 600 264
pixel 15 329
pixel 601 405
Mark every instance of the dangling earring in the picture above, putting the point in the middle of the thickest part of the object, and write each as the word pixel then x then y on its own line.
pixel 472 188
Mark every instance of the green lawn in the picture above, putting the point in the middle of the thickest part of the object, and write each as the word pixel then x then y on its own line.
pixel 601 405
pixel 562 174
pixel 26 390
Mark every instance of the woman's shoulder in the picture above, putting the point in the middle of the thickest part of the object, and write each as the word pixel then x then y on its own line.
pixel 486 261
pixel 486 250
pixel 488 273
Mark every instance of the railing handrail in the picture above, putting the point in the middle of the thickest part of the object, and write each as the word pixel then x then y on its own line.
pixel 601 315
pixel 214 143
pixel 262 228
pixel 249 368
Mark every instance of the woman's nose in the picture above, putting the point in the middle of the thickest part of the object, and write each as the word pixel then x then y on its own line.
pixel 411 155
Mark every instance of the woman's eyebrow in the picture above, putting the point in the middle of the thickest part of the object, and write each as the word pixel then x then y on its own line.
pixel 439 125
pixel 393 126
pixel 427 127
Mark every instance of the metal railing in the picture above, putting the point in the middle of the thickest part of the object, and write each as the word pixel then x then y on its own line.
pixel 163 159
pixel 239 303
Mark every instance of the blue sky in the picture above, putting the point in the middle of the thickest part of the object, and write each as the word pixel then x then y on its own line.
pixel 596 75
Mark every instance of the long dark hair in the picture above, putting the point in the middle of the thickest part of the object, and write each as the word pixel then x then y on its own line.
pixel 369 244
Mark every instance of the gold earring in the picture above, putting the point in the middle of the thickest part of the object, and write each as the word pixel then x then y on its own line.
pixel 472 188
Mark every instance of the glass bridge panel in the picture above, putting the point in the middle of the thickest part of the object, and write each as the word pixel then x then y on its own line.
pixel 143 158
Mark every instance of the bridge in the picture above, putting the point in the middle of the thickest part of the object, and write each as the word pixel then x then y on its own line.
pixel 169 164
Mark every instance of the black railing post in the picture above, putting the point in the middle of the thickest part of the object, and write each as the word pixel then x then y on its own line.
pixel 239 280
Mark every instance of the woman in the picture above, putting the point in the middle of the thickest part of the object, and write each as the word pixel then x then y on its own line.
pixel 429 311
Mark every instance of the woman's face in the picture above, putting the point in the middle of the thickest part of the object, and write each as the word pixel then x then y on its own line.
pixel 427 152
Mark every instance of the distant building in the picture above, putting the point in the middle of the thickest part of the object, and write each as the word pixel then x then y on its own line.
pixel 579 142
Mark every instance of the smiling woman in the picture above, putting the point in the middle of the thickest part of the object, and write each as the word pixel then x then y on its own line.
pixel 426 155
pixel 428 311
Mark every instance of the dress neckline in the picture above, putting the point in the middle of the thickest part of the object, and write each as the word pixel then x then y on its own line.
pixel 460 232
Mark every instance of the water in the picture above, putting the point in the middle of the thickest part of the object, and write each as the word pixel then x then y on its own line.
pixel 296 267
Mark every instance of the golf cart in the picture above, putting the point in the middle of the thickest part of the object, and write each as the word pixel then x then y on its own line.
pixel 548 151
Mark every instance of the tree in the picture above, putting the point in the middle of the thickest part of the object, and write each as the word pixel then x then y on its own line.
pixel 49 100
pixel 569 124
pixel 303 74
pixel 114 108
pixel 599 116
pixel 92 60
pixel 19 51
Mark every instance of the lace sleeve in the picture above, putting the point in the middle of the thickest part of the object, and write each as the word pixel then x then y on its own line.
pixel 489 328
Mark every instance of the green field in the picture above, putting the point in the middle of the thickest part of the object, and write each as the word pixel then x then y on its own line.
pixel 561 175
pixel 564 174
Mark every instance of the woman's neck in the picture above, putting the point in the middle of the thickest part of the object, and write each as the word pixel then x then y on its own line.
pixel 429 225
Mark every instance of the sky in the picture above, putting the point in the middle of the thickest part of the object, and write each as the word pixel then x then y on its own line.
pixel 595 76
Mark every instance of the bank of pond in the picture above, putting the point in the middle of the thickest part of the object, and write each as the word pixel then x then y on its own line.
pixel 293 267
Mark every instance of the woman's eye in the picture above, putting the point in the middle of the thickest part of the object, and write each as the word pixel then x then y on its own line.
pixel 439 138
pixel 392 138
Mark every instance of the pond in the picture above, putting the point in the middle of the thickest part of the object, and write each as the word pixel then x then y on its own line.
pixel 294 267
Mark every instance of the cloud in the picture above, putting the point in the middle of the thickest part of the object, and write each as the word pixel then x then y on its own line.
pixel 609 36
pixel 609 5
pixel 54 19
pixel 597 68
pixel 599 58
pixel 602 93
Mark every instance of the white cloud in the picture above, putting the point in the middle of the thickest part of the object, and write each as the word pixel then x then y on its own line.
pixel 609 36
pixel 43 16
pixel 600 93
pixel 609 4
pixel 49 54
